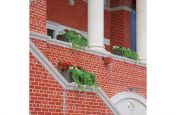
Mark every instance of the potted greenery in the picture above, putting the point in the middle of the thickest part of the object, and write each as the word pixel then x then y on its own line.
pixel 126 52
pixel 77 74
pixel 64 70
pixel 83 78
pixel 78 41
pixel 62 36
pixel 117 50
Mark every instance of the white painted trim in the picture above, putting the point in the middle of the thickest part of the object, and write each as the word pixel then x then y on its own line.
pixel 71 2
pixel 39 36
pixel 58 27
pixel 121 8
pixel 116 8
pixel 107 41
pixel 128 95
pixel 68 45
pixel 60 79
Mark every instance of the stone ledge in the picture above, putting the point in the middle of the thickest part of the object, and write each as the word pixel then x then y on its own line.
pixel 48 39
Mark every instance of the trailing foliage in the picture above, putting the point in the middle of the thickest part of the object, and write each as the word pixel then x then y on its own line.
pixel 126 52
pixel 78 41
pixel 82 77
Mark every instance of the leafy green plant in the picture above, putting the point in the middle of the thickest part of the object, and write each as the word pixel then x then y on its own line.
pixel 78 41
pixel 82 77
pixel 126 52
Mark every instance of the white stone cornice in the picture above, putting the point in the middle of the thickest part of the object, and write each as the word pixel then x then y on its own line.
pixel 120 8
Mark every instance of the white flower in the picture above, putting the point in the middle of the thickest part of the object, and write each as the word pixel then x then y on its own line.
pixel 115 46
pixel 70 67
pixel 61 33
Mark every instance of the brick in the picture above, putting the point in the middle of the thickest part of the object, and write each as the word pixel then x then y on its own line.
pixel 120 78
pixel 46 95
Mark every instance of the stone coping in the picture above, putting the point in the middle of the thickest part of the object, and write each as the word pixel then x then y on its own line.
pixel 48 39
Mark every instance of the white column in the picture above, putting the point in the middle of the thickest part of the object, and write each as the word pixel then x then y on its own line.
pixel 141 29
pixel 96 25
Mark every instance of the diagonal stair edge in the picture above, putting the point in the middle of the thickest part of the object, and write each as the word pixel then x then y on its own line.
pixel 70 86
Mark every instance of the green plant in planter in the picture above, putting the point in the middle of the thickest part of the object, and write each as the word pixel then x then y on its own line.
pixel 134 55
pixel 126 52
pixel 78 41
pixel 82 77
pixel 119 48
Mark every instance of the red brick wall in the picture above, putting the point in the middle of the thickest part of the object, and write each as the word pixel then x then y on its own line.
pixel 46 96
pixel 115 3
pixel 62 12
pixel 120 24
pixel 75 16
pixel 120 28
pixel 115 79
pixel 38 16
pixel 107 47
pixel 107 24
pixel 117 23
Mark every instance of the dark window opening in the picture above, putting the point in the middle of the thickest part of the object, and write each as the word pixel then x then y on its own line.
pixel 134 4
pixel 133 30
pixel 50 33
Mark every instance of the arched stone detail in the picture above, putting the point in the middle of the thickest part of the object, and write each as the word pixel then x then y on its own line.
pixel 127 102
pixel 128 95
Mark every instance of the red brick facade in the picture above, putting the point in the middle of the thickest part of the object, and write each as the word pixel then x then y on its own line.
pixel 75 16
pixel 117 78
pixel 120 28
pixel 38 16
pixel 115 3
pixel 62 12
pixel 116 23
pixel 46 94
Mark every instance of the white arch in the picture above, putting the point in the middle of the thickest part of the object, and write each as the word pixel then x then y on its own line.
pixel 128 95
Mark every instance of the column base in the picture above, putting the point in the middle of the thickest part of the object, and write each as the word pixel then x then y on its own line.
pixel 99 49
